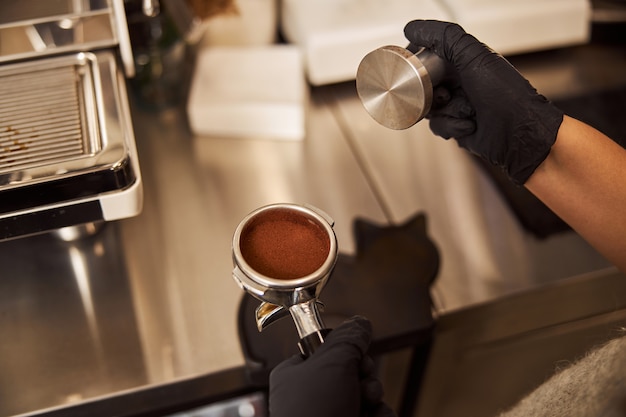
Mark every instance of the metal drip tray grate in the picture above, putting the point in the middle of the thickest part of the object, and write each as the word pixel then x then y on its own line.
pixel 44 116
pixel 63 131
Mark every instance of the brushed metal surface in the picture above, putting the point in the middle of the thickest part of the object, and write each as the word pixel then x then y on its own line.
pixel 60 116
pixel 486 251
pixel 69 330
pixel 487 357
pixel 32 29
pixel 150 300
pixel 42 116
pixel 394 87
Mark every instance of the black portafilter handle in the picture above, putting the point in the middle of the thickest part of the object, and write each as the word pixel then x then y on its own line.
pixel 309 343
pixel 310 326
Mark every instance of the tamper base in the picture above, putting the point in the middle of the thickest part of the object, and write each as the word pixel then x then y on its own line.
pixel 395 86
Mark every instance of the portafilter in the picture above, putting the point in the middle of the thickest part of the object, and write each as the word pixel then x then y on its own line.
pixel 283 255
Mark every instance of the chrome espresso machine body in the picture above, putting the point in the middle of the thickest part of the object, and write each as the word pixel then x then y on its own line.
pixel 67 148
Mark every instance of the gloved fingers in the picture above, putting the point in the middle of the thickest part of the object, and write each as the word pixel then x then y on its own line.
pixel 286 369
pixel 449 127
pixel 344 345
pixel 368 367
pixel 378 410
pixel 427 33
pixel 328 383
pixel 371 387
pixel 288 363
pixel 372 391
pixel 457 107
pixel 435 35
pixel 441 96
pixel 355 333
pixel 448 40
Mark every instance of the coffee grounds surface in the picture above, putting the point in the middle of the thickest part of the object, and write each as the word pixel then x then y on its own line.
pixel 281 244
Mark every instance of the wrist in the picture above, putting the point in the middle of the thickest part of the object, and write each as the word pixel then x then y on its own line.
pixel 532 141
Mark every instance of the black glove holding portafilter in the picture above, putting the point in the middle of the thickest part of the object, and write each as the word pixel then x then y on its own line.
pixel 338 380
pixel 486 104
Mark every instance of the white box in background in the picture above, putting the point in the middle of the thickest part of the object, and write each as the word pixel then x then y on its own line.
pixel 250 91
pixel 335 35
pixel 511 27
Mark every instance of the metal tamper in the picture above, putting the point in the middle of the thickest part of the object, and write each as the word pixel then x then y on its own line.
pixel 395 84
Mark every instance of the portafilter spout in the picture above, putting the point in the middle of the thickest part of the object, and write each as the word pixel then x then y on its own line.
pixel 283 255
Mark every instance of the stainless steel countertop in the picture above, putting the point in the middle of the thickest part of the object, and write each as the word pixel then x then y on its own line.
pixel 149 301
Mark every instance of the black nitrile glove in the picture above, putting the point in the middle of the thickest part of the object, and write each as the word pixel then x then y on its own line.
pixel 488 107
pixel 336 381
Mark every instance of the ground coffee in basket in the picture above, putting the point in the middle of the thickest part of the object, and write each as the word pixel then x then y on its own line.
pixel 284 244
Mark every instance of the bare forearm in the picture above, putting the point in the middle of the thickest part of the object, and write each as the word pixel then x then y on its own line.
pixel 583 180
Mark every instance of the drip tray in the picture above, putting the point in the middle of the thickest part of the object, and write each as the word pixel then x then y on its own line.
pixel 43 121
pixel 65 139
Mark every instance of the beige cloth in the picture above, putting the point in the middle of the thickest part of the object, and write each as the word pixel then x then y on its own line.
pixel 594 386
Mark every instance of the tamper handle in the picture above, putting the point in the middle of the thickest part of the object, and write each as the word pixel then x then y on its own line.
pixel 309 343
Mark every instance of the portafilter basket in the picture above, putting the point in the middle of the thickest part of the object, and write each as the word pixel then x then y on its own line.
pixel 283 255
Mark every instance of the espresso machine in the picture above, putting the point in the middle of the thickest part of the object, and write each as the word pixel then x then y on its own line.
pixel 67 149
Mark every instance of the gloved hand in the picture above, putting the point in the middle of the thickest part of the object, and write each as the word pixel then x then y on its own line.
pixel 336 381
pixel 488 107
